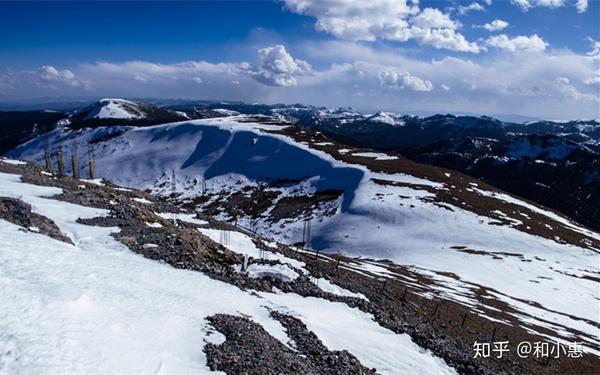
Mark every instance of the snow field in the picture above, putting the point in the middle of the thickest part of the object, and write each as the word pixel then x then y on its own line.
pixel 95 307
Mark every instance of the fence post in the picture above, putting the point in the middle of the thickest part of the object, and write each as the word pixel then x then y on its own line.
pixel 92 162
pixel 61 163
pixel 48 159
pixel 75 166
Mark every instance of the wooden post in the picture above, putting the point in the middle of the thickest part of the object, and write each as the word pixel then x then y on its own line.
pixel 92 167
pixel 48 160
pixel 47 155
pixel 61 163
pixel 91 162
pixel 493 334
pixel 75 166
pixel 404 294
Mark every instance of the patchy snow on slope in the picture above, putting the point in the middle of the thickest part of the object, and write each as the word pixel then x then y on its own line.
pixel 242 244
pixel 375 155
pixel 188 218
pixel 328 286
pixel 226 112
pixel 142 200
pixel 96 307
pixel 12 161
pixel 277 271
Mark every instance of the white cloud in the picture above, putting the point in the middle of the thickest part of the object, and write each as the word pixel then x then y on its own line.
pixel 528 4
pixel 594 56
pixel 593 80
pixel 404 80
pixel 595 52
pixel 445 39
pixel 352 74
pixel 464 9
pixel 432 18
pixel 512 83
pixel 50 74
pixel 519 43
pixel 525 5
pixel 358 20
pixel 496 25
pixel 581 5
pixel 396 20
pixel 278 68
pixel 487 2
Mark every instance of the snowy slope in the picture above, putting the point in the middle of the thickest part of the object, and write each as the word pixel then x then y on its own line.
pixel 95 307
pixel 115 109
pixel 397 221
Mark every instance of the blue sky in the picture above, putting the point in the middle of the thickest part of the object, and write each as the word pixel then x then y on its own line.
pixel 377 54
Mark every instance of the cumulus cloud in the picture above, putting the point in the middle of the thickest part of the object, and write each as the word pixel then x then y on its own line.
pixel 464 9
pixel 528 4
pixel 396 20
pixel 594 56
pixel 519 43
pixel 581 5
pixel 50 74
pixel 593 80
pixel 525 5
pixel 495 25
pixel 595 51
pixel 278 68
pixel 358 20
pixel 404 80
pixel 432 18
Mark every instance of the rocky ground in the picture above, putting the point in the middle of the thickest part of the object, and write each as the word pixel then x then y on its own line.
pixel 446 328
pixel 249 349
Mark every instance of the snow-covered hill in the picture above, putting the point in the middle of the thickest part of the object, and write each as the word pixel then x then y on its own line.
pixel 115 109
pixel 465 235
pixel 126 112
pixel 90 305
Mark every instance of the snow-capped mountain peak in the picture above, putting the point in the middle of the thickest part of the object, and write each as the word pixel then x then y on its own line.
pixel 113 108
pixel 387 118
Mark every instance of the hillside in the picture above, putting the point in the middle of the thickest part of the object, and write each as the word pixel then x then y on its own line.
pixel 291 311
pixel 555 164
pixel 465 236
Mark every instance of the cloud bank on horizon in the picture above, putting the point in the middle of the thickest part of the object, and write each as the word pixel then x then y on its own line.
pixel 398 55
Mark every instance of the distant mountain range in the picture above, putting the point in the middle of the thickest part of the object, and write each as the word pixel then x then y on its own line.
pixel 553 163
